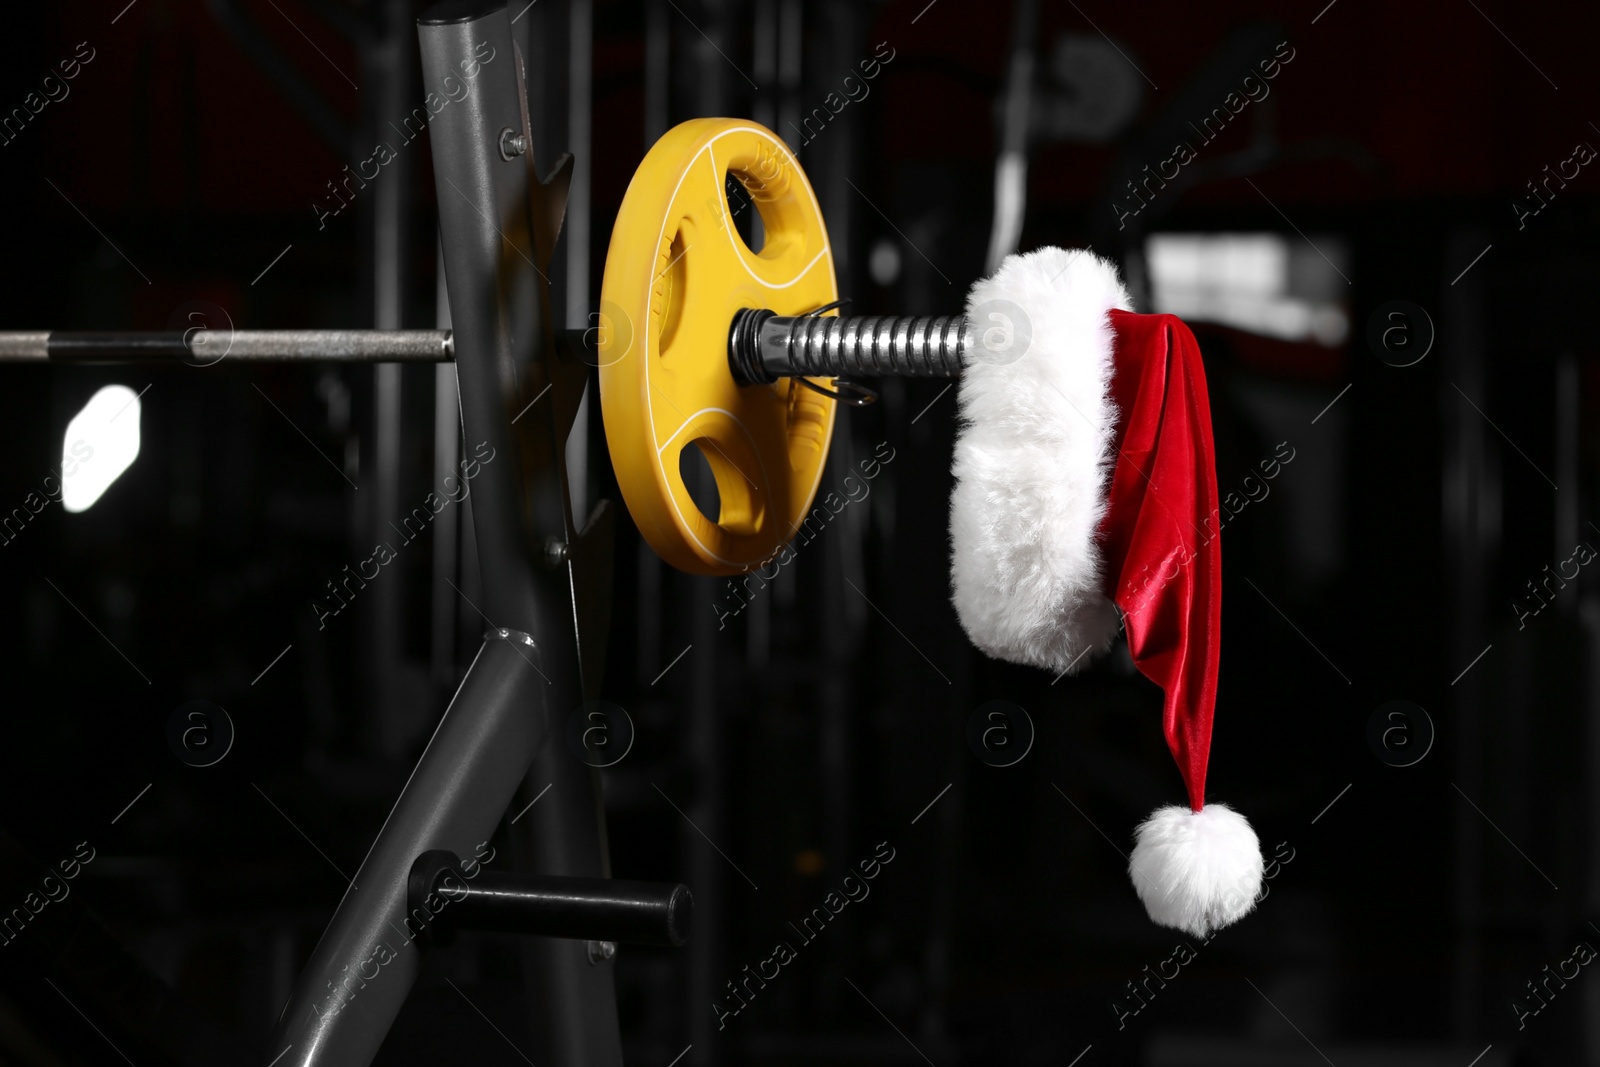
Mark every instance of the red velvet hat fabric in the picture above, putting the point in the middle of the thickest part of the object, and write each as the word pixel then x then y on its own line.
pixel 1162 554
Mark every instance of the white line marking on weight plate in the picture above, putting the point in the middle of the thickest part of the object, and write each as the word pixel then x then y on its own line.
pixel 1080 1055
pixel 680 1055
pixel 1481 1055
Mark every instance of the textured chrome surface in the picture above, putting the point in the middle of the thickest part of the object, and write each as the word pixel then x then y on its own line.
pixel 275 346
pixel 927 346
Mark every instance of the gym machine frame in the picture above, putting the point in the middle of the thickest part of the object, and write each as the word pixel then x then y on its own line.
pixel 547 571
pixel 546 575
pixel 547 589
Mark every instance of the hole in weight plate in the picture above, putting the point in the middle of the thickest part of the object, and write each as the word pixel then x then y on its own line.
pixel 743 213
pixel 695 470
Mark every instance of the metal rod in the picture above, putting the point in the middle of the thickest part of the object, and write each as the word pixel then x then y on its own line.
pixel 204 347
pixel 763 347
pixel 584 909
pixel 363 968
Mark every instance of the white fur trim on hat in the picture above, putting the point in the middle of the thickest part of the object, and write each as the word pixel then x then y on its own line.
pixel 1033 458
pixel 1196 871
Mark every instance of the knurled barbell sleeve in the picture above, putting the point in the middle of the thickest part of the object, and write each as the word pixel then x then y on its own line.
pixel 764 347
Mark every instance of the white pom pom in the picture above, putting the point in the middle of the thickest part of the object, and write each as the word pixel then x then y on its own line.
pixel 1196 871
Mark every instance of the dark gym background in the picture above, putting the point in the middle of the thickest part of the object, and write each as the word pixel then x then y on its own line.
pixel 1412 905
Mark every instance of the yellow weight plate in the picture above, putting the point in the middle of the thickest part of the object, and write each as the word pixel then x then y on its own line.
pixel 676 272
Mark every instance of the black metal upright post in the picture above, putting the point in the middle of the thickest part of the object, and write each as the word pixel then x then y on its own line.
pixel 499 229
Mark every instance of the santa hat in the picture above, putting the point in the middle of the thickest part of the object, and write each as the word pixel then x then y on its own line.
pixel 1086 489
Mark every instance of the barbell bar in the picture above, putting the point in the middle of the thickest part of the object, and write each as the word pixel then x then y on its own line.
pixel 204 346
pixel 774 346
pixel 701 342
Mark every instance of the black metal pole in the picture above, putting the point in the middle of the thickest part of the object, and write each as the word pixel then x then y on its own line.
pixel 583 909
pixel 529 672
pixel 496 226
pixel 363 968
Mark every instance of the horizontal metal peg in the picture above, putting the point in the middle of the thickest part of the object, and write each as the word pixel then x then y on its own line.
pixel 580 909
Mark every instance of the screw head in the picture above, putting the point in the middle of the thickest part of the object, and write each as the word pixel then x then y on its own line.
pixel 555 552
pixel 512 144
pixel 602 951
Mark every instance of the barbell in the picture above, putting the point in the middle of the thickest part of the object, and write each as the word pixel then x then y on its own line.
pixel 701 343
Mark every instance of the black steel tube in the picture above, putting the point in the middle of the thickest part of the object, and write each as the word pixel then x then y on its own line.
pixel 493 226
pixel 763 347
pixel 490 736
pixel 583 909
pixel 364 966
